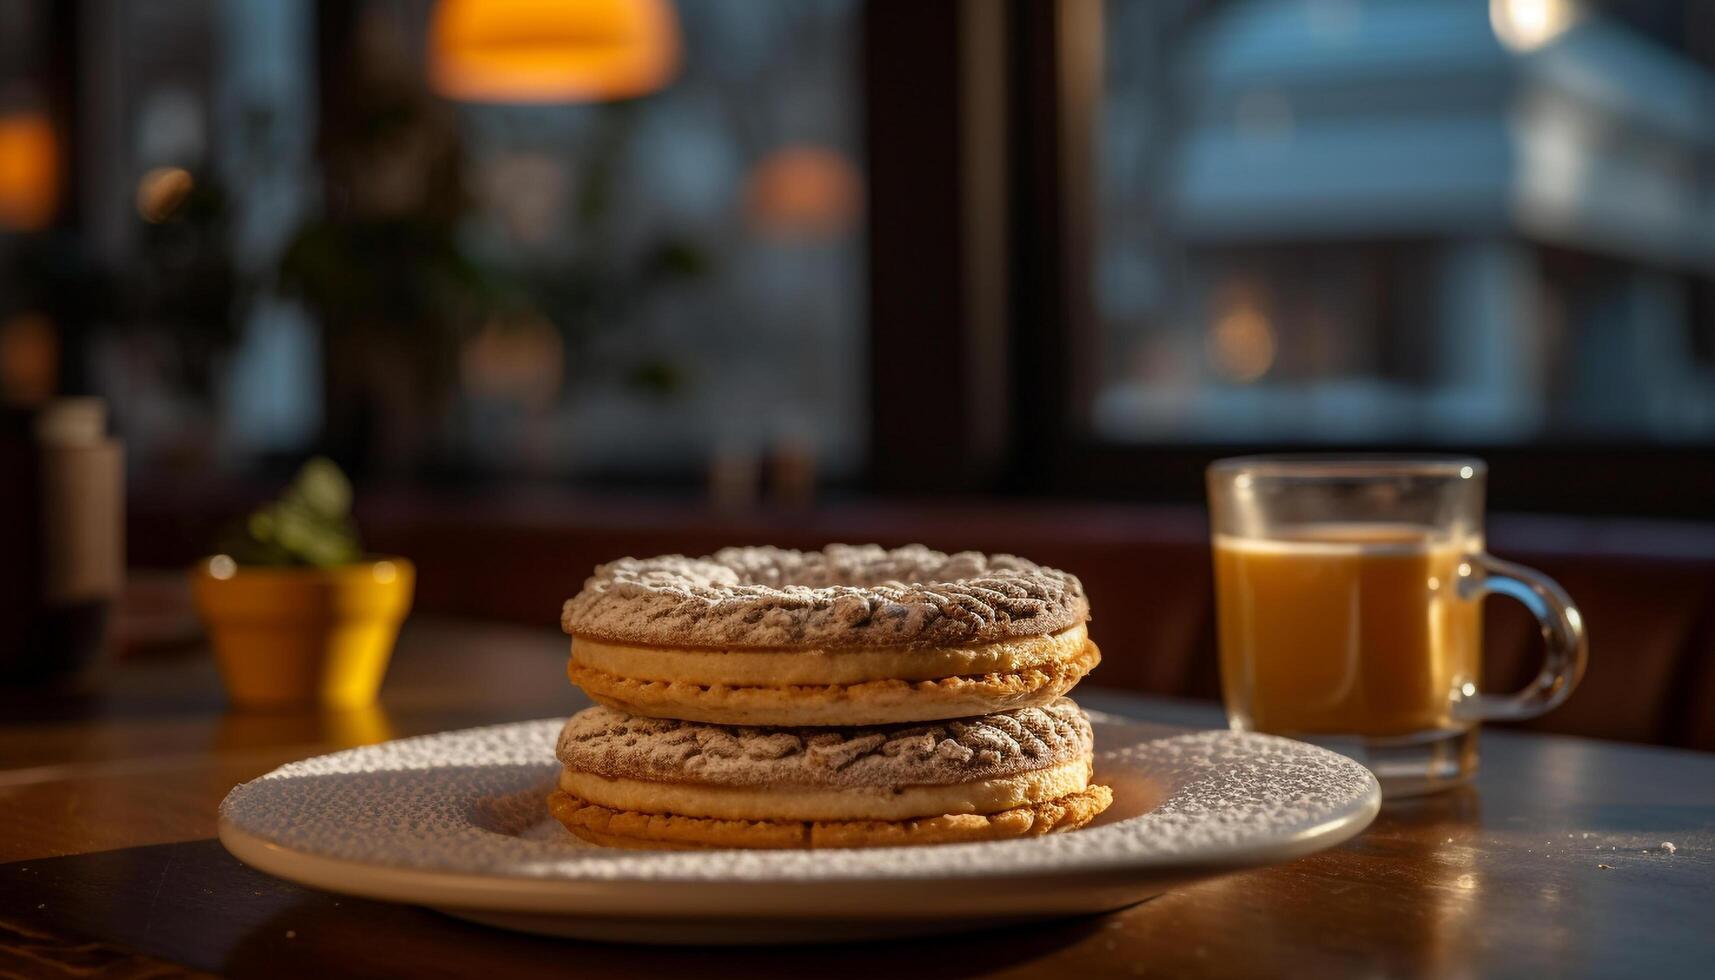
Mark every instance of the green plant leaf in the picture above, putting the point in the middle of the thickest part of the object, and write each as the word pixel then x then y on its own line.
pixel 323 488
pixel 309 525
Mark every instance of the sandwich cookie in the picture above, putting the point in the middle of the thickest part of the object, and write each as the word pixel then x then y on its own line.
pixel 656 783
pixel 843 636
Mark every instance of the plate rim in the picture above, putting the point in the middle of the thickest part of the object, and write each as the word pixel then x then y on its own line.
pixel 739 897
pixel 669 897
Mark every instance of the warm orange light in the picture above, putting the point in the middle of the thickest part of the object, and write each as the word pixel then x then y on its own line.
pixel 29 359
pixel 803 192
pixel 519 358
pixel 161 191
pixel 552 50
pixel 1241 344
pixel 29 172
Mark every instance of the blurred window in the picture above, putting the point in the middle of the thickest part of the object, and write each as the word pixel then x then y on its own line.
pixel 692 259
pixel 399 233
pixel 1406 221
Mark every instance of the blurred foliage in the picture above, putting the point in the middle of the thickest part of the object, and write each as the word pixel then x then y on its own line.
pixel 182 282
pixel 656 376
pixel 405 275
pixel 310 524
pixel 53 272
pixel 600 285
pixel 385 256
pixel 179 283
pixel 383 266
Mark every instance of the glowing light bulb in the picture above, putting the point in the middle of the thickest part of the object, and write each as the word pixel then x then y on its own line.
pixel 1525 25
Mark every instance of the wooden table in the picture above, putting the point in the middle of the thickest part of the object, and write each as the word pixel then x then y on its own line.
pixel 1555 864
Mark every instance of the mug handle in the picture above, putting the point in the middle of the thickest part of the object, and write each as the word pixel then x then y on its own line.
pixel 1567 646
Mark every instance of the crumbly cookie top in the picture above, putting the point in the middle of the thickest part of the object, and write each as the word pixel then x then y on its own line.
pixel 841 596
pixel 616 745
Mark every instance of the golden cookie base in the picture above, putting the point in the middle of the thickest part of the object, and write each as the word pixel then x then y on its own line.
pixel 868 703
pixel 656 831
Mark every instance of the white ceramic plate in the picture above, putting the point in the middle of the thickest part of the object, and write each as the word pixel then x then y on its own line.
pixel 457 821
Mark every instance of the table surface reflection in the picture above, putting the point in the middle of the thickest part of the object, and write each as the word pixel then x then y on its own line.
pixel 1553 864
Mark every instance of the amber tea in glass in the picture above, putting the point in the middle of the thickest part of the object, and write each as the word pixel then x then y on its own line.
pixel 1349 604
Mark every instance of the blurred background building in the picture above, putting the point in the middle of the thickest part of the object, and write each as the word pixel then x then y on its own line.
pixel 675 243
pixel 1408 220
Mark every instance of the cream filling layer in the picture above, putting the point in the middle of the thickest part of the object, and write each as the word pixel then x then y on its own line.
pixel 828 803
pixel 854 665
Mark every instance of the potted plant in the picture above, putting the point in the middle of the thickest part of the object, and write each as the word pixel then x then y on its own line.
pixel 297 613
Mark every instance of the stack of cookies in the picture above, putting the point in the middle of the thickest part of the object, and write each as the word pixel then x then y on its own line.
pixel 848 697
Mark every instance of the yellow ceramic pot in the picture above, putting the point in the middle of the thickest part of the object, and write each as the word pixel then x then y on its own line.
pixel 287 636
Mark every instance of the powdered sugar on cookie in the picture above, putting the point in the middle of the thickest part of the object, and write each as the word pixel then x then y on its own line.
pixel 841 596
pixel 620 746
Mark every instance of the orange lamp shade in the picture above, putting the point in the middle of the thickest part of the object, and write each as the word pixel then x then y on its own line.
pixel 29 172
pixel 533 51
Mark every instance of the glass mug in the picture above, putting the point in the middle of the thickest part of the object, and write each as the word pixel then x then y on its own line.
pixel 1348 594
